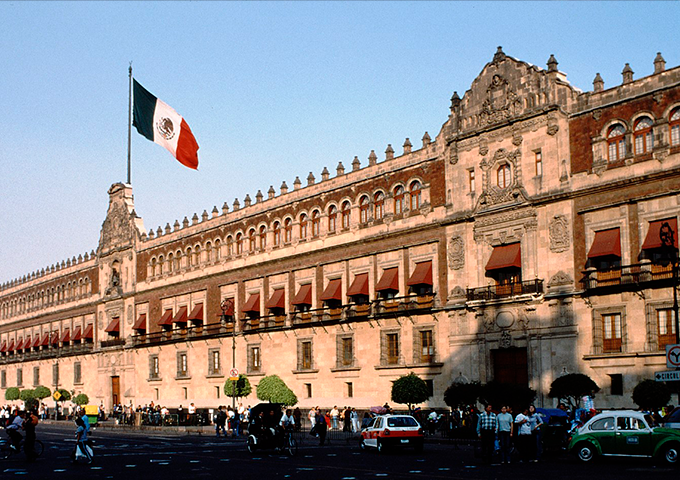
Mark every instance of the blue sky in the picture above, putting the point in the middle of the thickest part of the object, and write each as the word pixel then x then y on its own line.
pixel 271 90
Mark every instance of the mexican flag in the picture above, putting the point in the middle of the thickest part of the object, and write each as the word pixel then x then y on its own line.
pixel 161 124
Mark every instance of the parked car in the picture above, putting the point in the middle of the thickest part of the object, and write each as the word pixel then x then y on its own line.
pixel 625 433
pixel 555 428
pixel 672 420
pixel 392 431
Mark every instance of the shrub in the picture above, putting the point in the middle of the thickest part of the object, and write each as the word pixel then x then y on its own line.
pixel 12 393
pixel 42 392
pixel 651 395
pixel 81 399
pixel 571 387
pixel 243 388
pixel 410 389
pixel 274 390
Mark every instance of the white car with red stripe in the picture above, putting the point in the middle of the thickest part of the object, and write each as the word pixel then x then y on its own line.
pixel 386 431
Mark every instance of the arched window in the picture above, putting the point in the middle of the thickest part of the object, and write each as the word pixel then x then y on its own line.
pixel 674 125
pixel 263 237
pixel 218 251
pixel 251 238
pixel 277 234
pixel 332 217
pixel 316 223
pixel 171 264
pixel 503 176
pixel 208 252
pixel 161 266
pixel 196 257
pixel 230 246
pixel 178 260
pixel 288 230
pixel 642 135
pixel 415 195
pixel 378 205
pixel 346 214
pixel 239 243
pixel 616 144
pixel 303 226
pixel 363 209
pixel 398 200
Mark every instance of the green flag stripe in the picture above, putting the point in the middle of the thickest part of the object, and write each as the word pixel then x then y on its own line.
pixel 143 110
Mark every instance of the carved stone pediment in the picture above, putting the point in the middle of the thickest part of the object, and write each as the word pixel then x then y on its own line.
pixel 506 227
pixel 118 230
pixel 495 194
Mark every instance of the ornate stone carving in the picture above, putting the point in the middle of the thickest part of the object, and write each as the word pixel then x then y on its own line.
pixel 489 322
pixel 559 279
pixel 453 155
pixel 597 114
pixel 483 146
pixel 501 102
pixel 505 319
pixel 506 340
pixel 118 229
pixel 457 292
pixel 456 252
pixel 559 234
pixel 553 127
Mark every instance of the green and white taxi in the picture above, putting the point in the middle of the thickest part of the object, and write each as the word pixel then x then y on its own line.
pixel 625 433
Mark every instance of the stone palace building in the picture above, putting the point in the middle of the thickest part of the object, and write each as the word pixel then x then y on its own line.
pixel 524 241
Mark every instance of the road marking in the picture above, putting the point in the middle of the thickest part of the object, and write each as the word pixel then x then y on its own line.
pixel 130 466
pixel 95 468
pixel 444 469
pixel 415 471
pixel 59 470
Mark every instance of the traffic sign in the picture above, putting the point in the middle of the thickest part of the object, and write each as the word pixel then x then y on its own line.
pixel 667 376
pixel 233 372
pixel 673 356
pixel 56 395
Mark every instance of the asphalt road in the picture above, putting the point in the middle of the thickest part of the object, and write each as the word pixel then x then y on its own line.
pixel 131 455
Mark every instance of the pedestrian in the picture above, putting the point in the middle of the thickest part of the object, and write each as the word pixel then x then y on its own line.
pixel 29 424
pixel 312 417
pixel 192 414
pixel 13 430
pixel 334 417
pixel 486 431
pixel 321 426
pixel 536 423
pixel 235 425
pixel 220 419
pixel 525 442
pixel 346 420
pixel 297 416
pixel 81 442
pixel 354 416
pixel 504 432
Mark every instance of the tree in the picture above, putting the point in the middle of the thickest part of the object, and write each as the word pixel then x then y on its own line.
pixel 462 394
pixel 28 397
pixel 81 399
pixel 42 392
pixel 499 394
pixel 12 393
pixel 243 388
pixel 572 387
pixel 65 395
pixel 410 389
pixel 651 395
pixel 274 390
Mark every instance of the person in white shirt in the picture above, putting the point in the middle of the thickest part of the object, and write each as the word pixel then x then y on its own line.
pixel 525 439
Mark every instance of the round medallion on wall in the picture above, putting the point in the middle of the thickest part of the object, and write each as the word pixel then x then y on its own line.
pixel 505 319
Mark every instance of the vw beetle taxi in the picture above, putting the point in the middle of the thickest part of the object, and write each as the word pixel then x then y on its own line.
pixel 386 431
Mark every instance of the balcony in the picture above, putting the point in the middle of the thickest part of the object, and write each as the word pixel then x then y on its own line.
pixel 627 277
pixel 47 353
pixel 113 342
pixel 498 292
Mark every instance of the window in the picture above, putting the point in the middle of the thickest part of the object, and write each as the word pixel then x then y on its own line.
pixel 239 244
pixel 171 263
pixel 611 332
pixel 471 180
pixel 182 365
pixel 316 223
pixel 230 244
pixel 3 379
pixel 606 423
pixel 332 218
pixel 390 348
pixel 154 367
pixel 263 237
pixel 303 226
pixel 277 234
pixel 346 214
pixel 616 384
pixel 251 238
pixel 308 390
pixel 36 376
pixel 415 193
pixel 55 374
pixel 503 176
pixel 538 156
pixel 349 389
pixel 430 387
pixel 426 346
pixel 398 200
pixel 214 366
pixel 218 253
pixel 77 373
pixel 345 352
pixel 642 135
pixel 305 361
pixel 254 360
pixel 363 209
pixel 665 320
pixel 674 126
pixel 20 377
pixel 177 260
pixel 616 144
pixel 378 205
pixel 288 230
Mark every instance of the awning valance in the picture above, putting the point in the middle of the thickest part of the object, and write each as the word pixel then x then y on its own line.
pixel 20 343
pixel 166 319
pixel 55 338
pixel 88 334
pixel 36 341
pixel 653 239
pixel 45 340
pixel 422 275
pixel 505 256
pixel 196 314
pixel 333 290
pixel 277 300
pixel 606 242
pixel 65 336
pixel 140 324
pixel 181 316
pixel 253 303
pixel 359 286
pixel 11 346
pixel 304 295
pixel 114 325
pixel 3 349
pixel 389 280
pixel 77 335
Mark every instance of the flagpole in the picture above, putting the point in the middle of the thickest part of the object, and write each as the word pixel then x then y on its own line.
pixel 129 122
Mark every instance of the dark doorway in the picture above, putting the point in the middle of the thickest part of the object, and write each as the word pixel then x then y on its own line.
pixel 115 390
pixel 510 366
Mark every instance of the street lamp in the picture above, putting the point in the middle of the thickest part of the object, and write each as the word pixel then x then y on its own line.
pixel 227 305
pixel 667 237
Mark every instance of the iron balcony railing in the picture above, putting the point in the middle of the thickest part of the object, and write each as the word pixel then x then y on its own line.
pixel 46 353
pixel 626 275
pixel 496 292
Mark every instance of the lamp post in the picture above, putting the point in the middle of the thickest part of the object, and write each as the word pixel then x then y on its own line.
pixel 667 237
pixel 227 305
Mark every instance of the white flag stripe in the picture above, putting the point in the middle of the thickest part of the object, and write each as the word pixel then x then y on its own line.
pixel 166 126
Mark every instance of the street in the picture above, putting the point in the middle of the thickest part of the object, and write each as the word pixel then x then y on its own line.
pixel 135 454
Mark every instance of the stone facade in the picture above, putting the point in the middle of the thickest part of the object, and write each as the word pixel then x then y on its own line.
pixel 470 256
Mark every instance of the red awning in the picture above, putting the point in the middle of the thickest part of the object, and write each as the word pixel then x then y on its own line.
pixel 253 303
pixel 36 341
pixel 422 275
pixel 3 349
pixel 65 336
pixel 166 319
pixel 333 290
pixel 389 280
pixel 277 300
pixel 653 240
pixel 27 343
pixel 140 324
pixel 76 335
pixel 11 346
pixel 88 332
pixel 114 326
pixel 304 295
pixel 229 312
pixel 181 316
pixel 196 313
pixel 46 339
pixel 55 338
pixel 505 256
pixel 606 242
pixel 20 344
pixel 359 285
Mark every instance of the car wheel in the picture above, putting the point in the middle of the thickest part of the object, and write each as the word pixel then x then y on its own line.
pixel 585 452
pixel 671 454
pixel 251 444
pixel 381 447
pixel 362 445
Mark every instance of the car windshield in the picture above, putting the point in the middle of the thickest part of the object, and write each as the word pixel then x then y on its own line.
pixel 401 422
pixel 650 421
